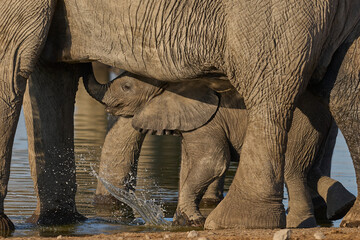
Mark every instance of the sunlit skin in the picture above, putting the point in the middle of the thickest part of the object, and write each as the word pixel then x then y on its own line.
pixel 270 51
pixel 209 146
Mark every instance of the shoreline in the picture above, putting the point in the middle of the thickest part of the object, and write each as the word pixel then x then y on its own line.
pixel 224 234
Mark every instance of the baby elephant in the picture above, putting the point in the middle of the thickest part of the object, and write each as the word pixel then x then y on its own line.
pixel 211 119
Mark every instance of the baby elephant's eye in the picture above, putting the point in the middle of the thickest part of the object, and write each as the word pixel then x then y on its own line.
pixel 126 87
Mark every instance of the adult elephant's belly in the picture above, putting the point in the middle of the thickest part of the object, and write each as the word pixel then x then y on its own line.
pixel 112 32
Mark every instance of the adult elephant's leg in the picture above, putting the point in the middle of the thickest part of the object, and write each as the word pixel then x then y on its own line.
pixel 269 73
pixel 344 105
pixel 300 212
pixel 255 196
pixel 118 164
pixel 23 26
pixel 49 117
pixel 205 158
pixel 302 148
pixel 10 106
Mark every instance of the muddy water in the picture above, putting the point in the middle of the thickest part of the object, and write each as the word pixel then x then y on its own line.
pixel 157 175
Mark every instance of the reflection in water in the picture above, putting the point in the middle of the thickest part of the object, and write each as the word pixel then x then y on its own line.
pixel 157 174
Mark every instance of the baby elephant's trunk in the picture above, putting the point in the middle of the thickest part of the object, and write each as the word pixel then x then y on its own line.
pixel 94 88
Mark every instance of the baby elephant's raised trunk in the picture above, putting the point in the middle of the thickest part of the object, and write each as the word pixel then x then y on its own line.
pixel 94 88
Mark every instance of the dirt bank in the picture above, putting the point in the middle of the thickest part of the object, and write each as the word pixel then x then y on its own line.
pixel 258 234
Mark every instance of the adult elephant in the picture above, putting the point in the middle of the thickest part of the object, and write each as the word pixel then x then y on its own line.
pixel 212 124
pixel 270 51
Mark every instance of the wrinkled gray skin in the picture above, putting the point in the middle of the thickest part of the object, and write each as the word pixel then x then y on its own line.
pixel 118 165
pixel 208 147
pixel 345 70
pixel 270 52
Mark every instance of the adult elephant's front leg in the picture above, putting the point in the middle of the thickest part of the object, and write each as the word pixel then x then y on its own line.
pixel 23 29
pixel 10 106
pixel 49 115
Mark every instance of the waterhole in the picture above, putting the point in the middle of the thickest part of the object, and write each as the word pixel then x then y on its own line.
pixel 157 177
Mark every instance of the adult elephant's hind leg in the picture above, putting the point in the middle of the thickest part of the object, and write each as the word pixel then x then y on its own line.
pixel 49 114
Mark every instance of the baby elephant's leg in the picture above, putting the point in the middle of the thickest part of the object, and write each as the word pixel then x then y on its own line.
pixel 214 193
pixel 205 158
pixel 118 165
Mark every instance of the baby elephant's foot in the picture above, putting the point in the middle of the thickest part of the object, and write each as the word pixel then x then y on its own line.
pixel 56 217
pixel 6 226
pixel 339 201
pixel 352 218
pixel 182 219
pixel 210 202
pixel 107 206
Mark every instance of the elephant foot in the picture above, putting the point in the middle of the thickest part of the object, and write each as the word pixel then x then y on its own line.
pixel 6 225
pixel 300 221
pixel 56 217
pixel 236 212
pixel 181 219
pixel 352 218
pixel 339 201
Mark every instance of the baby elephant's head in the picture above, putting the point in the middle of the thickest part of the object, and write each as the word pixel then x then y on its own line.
pixel 156 106
pixel 126 94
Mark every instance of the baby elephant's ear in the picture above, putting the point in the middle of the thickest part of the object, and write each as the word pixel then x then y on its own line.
pixel 181 107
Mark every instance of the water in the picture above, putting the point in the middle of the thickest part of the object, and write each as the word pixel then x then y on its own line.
pixel 149 211
pixel 157 175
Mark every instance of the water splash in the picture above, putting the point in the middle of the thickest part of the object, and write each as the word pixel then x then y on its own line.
pixel 148 209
